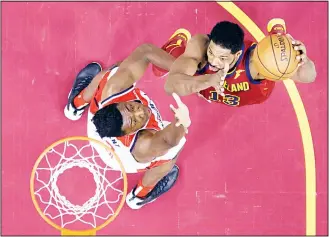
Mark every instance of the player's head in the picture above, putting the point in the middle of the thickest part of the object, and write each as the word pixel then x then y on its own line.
pixel 121 119
pixel 226 40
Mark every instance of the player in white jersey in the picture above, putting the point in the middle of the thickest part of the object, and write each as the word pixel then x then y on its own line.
pixel 124 117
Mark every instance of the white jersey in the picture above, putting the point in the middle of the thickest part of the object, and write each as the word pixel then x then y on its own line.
pixel 125 144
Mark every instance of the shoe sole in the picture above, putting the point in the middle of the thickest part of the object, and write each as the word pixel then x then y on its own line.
pixel 276 21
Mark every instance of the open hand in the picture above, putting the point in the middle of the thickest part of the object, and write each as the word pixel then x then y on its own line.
pixel 181 113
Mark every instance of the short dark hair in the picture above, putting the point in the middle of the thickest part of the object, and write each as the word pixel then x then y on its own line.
pixel 109 121
pixel 228 35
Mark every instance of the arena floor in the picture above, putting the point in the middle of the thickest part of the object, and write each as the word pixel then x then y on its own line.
pixel 260 170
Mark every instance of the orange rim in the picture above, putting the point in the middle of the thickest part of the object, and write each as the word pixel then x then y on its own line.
pixel 50 222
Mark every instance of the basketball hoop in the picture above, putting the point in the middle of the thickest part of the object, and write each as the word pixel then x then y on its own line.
pixel 79 217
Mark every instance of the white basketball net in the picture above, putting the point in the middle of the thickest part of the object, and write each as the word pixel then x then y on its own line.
pixel 67 212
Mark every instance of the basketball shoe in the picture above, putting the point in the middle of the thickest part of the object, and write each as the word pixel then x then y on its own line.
pixel 163 186
pixel 276 26
pixel 83 79
pixel 175 46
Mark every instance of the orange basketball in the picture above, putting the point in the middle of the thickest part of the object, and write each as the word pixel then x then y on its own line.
pixel 275 57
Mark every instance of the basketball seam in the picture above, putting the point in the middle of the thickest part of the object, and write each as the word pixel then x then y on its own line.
pixel 264 65
pixel 276 62
pixel 289 59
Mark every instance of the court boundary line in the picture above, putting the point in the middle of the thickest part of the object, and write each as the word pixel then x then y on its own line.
pixel 302 119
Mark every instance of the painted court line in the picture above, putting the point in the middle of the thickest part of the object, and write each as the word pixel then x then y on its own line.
pixel 302 119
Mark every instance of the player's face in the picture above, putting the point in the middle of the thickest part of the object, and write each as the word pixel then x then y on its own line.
pixel 218 56
pixel 135 115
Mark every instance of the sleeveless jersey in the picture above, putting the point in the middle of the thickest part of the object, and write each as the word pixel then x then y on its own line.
pixel 239 87
pixel 130 94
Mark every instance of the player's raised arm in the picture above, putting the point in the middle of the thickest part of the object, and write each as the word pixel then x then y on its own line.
pixel 154 144
pixel 181 79
pixel 306 72
pixel 134 66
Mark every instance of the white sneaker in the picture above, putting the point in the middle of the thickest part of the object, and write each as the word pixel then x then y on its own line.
pixel 135 202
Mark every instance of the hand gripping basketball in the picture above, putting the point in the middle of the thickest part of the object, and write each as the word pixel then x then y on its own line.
pixel 181 113
pixel 300 47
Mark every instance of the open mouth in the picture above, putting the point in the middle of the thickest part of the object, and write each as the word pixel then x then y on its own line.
pixel 213 68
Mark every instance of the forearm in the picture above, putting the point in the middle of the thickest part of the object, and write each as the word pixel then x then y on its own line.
pixel 183 84
pixel 152 144
pixel 171 134
pixel 158 57
pixel 305 73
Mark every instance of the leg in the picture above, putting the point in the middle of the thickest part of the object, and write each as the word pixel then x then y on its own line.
pixel 175 46
pixel 76 103
pixel 155 182
pixel 154 175
pixel 83 89
pixel 159 178
pixel 88 93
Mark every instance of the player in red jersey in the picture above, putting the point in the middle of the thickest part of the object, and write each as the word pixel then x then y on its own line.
pixel 221 68
pixel 124 117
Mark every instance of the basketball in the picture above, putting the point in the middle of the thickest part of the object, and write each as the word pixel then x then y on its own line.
pixel 275 58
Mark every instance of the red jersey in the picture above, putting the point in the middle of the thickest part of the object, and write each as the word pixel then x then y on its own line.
pixel 130 94
pixel 239 87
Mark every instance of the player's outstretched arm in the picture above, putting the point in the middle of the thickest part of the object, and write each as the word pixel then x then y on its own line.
pixel 181 79
pixel 133 67
pixel 306 72
pixel 153 144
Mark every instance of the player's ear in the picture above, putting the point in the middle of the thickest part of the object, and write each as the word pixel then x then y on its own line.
pixel 238 53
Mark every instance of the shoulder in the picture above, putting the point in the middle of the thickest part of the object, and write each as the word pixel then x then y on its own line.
pixel 196 47
pixel 142 147
pixel 199 40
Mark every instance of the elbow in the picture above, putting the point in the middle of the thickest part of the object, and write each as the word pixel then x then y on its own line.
pixel 172 142
pixel 173 85
pixel 145 48
pixel 168 86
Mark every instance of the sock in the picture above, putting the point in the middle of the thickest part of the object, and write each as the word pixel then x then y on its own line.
pixel 78 101
pixel 175 47
pixel 141 190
